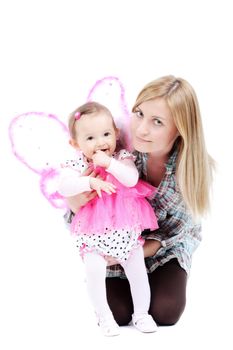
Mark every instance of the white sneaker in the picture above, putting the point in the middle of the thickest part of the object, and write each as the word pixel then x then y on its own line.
pixel 144 323
pixel 108 326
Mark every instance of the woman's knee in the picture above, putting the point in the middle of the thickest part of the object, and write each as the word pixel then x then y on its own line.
pixel 168 293
pixel 167 311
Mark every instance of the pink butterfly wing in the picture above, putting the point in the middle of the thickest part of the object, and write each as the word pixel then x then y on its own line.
pixel 40 141
pixel 110 92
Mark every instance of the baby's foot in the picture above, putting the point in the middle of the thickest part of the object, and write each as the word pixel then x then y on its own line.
pixel 108 326
pixel 144 323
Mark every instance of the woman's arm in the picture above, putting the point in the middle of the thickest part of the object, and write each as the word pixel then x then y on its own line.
pixel 150 247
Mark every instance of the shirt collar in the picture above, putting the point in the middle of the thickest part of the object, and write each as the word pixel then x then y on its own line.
pixel 171 163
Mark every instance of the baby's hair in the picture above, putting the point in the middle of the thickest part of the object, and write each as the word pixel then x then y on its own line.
pixel 85 109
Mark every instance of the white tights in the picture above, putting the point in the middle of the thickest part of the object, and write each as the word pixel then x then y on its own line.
pixel 135 271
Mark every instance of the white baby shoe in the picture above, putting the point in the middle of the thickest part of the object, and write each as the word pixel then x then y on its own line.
pixel 144 323
pixel 108 326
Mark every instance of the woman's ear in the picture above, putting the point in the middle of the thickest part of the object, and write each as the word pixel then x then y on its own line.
pixel 74 143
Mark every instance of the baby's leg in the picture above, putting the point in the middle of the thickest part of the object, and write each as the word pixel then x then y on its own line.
pixel 135 271
pixel 95 266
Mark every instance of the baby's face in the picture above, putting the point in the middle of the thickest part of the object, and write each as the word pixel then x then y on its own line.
pixel 96 132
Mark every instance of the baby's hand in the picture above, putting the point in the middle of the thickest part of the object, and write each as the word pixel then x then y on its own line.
pixel 101 159
pixel 100 185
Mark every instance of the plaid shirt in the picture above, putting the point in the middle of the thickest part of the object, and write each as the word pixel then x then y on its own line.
pixel 178 234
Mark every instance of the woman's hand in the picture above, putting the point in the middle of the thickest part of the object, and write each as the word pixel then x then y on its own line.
pixel 76 202
pixel 151 247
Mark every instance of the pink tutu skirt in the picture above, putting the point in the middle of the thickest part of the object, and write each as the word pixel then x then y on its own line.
pixel 127 209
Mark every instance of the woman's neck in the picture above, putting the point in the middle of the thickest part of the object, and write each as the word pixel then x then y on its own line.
pixel 156 168
pixel 158 158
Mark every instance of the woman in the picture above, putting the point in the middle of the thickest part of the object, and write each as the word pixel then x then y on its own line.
pixel 168 139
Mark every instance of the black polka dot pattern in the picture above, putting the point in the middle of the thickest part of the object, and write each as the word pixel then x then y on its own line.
pixel 117 244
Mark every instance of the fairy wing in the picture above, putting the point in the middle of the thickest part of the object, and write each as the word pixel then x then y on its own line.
pixel 41 141
pixel 110 92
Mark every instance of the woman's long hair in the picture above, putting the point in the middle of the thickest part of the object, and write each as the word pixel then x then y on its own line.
pixel 194 165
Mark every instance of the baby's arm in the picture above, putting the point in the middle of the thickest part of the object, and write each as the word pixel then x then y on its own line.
pixel 124 171
pixel 71 183
pixel 101 185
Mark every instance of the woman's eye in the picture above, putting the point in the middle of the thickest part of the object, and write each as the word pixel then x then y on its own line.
pixel 139 114
pixel 106 133
pixel 90 138
pixel 157 121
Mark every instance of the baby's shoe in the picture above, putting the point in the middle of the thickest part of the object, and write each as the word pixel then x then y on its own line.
pixel 108 326
pixel 144 323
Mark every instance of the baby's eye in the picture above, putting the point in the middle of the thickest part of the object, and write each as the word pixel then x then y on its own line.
pixel 90 138
pixel 107 133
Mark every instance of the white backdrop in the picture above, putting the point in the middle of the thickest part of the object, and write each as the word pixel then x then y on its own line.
pixel 52 52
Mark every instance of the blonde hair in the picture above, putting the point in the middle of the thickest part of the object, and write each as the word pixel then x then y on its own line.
pixel 194 165
pixel 85 109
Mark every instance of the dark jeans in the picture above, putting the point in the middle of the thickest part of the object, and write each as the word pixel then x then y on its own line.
pixel 168 295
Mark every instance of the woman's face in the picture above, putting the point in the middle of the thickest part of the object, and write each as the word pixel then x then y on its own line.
pixel 152 128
